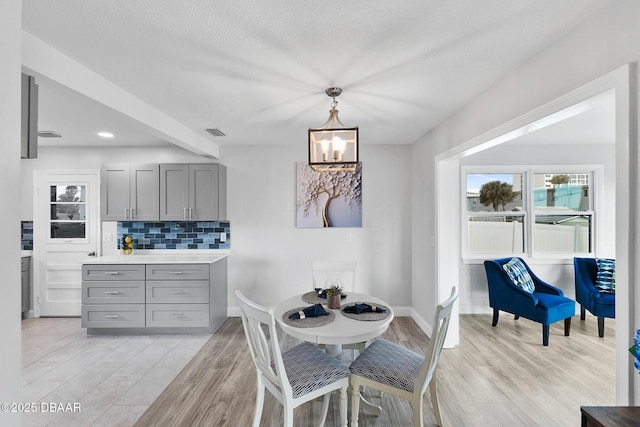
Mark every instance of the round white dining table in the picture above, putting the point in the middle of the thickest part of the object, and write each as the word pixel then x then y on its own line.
pixel 343 329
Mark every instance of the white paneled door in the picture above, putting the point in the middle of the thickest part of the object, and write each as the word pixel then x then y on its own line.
pixel 65 230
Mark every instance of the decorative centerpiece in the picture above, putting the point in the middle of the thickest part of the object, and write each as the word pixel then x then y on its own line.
pixel 126 245
pixel 333 296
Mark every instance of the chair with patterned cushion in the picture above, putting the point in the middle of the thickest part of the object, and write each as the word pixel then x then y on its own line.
pixel 395 370
pixel 294 377
pixel 515 289
pixel 595 288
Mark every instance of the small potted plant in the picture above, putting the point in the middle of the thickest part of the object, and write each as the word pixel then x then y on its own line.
pixel 333 296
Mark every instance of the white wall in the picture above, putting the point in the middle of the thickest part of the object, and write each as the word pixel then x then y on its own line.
pixel 10 335
pixel 271 257
pixel 608 40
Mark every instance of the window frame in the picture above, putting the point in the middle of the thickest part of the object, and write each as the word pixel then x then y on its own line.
pixel 529 211
pixel 50 221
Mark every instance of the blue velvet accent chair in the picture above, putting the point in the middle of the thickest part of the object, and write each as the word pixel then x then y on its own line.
pixel 600 304
pixel 546 304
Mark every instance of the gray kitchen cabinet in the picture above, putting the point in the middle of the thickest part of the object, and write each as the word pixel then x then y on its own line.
pixel 154 298
pixel 26 284
pixel 113 295
pixel 177 295
pixel 193 192
pixel 130 192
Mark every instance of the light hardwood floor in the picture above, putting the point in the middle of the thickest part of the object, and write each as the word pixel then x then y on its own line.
pixel 500 376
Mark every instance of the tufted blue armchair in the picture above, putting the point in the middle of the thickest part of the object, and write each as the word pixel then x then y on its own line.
pixel 600 304
pixel 546 305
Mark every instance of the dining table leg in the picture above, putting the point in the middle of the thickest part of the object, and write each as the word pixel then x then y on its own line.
pixel 334 350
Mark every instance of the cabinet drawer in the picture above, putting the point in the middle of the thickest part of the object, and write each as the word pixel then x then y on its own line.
pixel 176 315
pixel 113 272
pixel 177 271
pixel 101 292
pixel 113 316
pixel 25 263
pixel 187 291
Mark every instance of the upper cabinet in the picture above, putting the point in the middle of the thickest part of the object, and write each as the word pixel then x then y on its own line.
pixel 193 192
pixel 130 192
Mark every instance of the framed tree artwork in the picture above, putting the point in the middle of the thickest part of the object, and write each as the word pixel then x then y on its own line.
pixel 328 199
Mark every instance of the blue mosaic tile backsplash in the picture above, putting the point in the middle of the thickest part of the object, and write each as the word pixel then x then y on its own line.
pixel 176 235
pixel 26 232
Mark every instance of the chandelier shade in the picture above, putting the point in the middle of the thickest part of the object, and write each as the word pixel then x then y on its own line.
pixel 333 146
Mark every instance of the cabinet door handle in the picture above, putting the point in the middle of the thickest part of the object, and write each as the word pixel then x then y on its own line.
pixel 112 292
pixel 190 213
pixel 184 214
pixel 177 315
pixel 176 272
pixel 111 316
pixel 132 213
pixel 176 292
pixel 111 273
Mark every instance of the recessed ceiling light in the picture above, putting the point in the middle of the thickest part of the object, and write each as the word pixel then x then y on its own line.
pixel 105 134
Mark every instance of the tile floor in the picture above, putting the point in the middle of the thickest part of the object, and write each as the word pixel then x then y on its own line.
pixel 114 379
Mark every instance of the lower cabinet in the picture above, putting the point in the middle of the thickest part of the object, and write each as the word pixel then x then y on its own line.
pixel 25 285
pixel 113 316
pixel 148 298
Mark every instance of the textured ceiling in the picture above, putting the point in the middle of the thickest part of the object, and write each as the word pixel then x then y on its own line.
pixel 257 70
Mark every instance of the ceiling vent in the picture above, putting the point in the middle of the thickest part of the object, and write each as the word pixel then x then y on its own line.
pixel 215 132
pixel 49 134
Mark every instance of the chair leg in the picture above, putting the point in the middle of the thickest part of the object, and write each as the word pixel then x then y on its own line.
pixel 583 313
pixel 325 409
pixel 343 406
pixel 355 404
pixel 545 335
pixel 434 401
pixel 567 326
pixel 288 416
pixel 495 317
pixel 601 327
pixel 417 414
pixel 259 403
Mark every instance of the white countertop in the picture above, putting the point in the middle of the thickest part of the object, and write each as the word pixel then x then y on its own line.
pixel 24 253
pixel 159 257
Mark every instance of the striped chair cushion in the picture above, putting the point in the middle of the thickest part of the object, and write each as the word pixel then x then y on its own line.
pixel 310 368
pixel 388 363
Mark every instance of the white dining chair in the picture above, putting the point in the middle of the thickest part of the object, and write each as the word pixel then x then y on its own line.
pixel 294 377
pixel 343 273
pixel 327 273
pixel 393 369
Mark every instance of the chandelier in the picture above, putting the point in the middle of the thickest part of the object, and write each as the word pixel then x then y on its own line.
pixel 334 146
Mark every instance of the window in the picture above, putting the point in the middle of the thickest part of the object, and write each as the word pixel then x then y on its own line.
pixel 528 213
pixel 68 208
pixel 563 213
